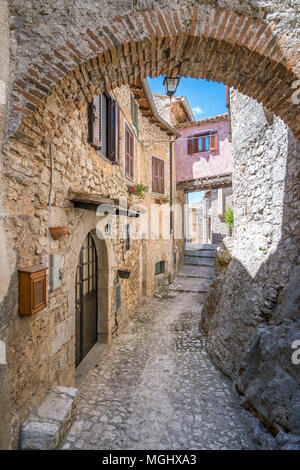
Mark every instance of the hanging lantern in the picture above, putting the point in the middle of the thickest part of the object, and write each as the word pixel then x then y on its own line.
pixel 171 84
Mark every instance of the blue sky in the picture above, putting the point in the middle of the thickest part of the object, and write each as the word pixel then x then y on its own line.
pixel 195 196
pixel 206 98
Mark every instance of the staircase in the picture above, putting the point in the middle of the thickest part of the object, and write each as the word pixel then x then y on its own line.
pixel 198 270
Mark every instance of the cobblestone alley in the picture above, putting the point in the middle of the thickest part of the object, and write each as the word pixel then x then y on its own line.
pixel 157 388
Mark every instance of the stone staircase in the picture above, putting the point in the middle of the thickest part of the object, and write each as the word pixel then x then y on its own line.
pixel 198 270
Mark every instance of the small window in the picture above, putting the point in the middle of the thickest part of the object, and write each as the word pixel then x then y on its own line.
pixel 159 267
pixel 134 113
pixel 158 175
pixel 104 126
pixel 118 297
pixel 202 143
pixel 129 153
pixel 127 242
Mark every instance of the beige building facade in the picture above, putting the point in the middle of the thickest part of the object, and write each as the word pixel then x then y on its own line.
pixel 100 270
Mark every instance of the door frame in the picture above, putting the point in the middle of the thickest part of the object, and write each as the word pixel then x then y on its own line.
pixel 95 275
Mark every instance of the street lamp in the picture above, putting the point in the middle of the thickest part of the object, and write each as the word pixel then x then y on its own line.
pixel 171 84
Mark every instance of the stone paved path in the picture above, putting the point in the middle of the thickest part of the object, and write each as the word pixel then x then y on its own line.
pixel 158 389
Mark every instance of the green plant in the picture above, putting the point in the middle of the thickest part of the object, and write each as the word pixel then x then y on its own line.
pixel 228 217
pixel 165 199
pixel 141 190
pixel 264 250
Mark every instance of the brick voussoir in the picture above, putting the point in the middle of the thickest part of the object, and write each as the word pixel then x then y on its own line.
pixel 230 48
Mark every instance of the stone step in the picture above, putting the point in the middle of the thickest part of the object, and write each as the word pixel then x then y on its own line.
pixel 202 253
pixel 200 246
pixel 205 272
pixel 46 426
pixel 188 284
pixel 199 261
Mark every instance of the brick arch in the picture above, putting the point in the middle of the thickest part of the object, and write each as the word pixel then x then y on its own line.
pixel 200 41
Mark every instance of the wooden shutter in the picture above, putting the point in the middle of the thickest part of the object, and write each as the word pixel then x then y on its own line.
pixel 111 154
pixel 196 147
pixel 158 177
pixel 154 175
pixel 132 107
pixel 131 156
pixel 190 145
pixel 117 133
pixel 213 142
pixel 129 153
pixel 161 176
pixel 134 111
pixel 136 115
pixel 95 122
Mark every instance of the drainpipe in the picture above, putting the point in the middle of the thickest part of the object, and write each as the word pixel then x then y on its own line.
pixel 171 183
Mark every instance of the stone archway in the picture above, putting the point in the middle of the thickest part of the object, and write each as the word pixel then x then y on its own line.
pixel 254 55
pixel 106 265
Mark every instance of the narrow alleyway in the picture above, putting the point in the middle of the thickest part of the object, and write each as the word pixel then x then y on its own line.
pixel 157 388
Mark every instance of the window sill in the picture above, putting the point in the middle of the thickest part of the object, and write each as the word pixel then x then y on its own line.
pixel 206 153
pixel 100 154
pixel 129 181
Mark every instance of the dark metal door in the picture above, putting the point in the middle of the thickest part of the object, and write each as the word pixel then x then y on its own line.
pixel 86 299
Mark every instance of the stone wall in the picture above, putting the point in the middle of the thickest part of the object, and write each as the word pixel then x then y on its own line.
pixel 251 46
pixel 7 256
pixel 41 348
pixel 252 312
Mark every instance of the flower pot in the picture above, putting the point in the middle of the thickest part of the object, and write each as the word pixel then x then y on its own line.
pixel 159 201
pixel 124 273
pixel 132 189
pixel 58 232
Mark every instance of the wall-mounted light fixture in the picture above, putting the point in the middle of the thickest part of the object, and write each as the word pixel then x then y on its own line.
pixel 171 84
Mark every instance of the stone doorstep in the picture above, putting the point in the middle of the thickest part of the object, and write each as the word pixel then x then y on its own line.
pixel 46 426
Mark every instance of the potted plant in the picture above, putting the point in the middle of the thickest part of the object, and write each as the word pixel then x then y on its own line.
pixel 162 200
pixel 229 219
pixel 141 190
pixel 58 232
pixel 132 189
pixel 124 273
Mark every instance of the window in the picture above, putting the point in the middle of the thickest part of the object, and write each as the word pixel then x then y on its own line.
pixel 129 153
pixel 159 267
pixel 104 126
pixel 127 243
pixel 207 142
pixel 134 113
pixel 158 177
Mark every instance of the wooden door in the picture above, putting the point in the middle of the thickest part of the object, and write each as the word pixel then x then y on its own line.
pixel 86 333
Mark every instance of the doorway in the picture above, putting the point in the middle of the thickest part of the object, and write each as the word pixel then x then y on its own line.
pixel 86 296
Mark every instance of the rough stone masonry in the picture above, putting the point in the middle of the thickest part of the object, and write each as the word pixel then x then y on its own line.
pixel 252 312
pixel 54 43
pixel 56 55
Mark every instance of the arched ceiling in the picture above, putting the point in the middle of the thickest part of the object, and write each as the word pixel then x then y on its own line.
pixel 66 51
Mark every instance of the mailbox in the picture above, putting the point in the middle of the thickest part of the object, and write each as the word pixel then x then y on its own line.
pixel 32 290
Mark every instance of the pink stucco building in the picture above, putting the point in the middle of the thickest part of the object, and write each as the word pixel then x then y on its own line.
pixel 204 149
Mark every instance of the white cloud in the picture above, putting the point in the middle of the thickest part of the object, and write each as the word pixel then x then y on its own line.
pixel 197 111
